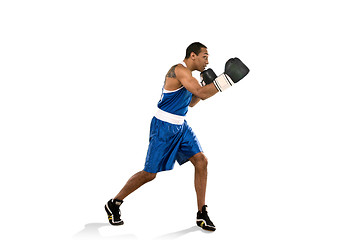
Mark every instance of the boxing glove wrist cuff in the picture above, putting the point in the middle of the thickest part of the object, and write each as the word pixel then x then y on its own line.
pixel 223 82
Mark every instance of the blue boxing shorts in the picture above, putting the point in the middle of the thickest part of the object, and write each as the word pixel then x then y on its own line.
pixel 169 143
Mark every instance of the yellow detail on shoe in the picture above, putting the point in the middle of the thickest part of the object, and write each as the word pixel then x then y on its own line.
pixel 202 224
pixel 110 217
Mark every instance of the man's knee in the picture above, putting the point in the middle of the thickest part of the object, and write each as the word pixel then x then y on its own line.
pixel 200 161
pixel 148 176
pixel 204 161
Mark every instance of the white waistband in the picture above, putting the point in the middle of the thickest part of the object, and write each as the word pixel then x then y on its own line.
pixel 169 117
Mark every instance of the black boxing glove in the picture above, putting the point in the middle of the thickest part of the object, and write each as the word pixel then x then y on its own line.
pixel 207 76
pixel 235 70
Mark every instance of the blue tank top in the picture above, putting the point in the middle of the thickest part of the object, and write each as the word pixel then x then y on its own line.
pixel 175 102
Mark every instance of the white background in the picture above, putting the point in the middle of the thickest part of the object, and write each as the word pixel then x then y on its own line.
pixel 79 85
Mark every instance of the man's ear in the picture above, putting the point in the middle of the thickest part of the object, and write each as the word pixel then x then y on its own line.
pixel 192 56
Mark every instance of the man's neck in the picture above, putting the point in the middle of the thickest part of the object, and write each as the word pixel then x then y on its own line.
pixel 189 64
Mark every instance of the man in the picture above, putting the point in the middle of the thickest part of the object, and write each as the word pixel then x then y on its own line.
pixel 171 138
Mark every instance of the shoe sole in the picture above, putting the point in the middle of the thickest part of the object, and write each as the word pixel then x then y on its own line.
pixel 203 225
pixel 109 213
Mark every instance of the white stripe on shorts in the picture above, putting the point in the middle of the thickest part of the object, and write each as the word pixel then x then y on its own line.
pixel 169 117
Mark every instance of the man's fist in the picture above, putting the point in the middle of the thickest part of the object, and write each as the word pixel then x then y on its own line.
pixel 207 77
pixel 235 70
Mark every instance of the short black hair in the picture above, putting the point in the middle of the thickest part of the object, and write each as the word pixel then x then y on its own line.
pixel 195 48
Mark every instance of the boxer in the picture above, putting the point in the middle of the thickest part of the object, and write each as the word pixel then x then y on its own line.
pixel 171 138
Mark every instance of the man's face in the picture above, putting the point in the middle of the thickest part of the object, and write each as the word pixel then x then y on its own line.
pixel 201 60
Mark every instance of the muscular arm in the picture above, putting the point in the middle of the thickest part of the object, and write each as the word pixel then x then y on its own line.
pixel 194 101
pixel 193 86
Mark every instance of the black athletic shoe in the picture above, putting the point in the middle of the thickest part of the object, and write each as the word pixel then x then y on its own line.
pixel 112 208
pixel 204 221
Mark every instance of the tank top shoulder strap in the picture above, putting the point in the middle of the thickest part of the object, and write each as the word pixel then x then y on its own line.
pixel 183 63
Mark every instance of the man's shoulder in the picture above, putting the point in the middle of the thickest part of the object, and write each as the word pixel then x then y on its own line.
pixel 181 70
pixel 177 70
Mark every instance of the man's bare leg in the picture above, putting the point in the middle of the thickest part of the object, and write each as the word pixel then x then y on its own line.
pixel 112 207
pixel 136 181
pixel 200 163
pixel 202 219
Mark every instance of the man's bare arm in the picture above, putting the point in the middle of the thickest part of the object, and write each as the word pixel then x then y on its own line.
pixel 193 86
pixel 194 101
